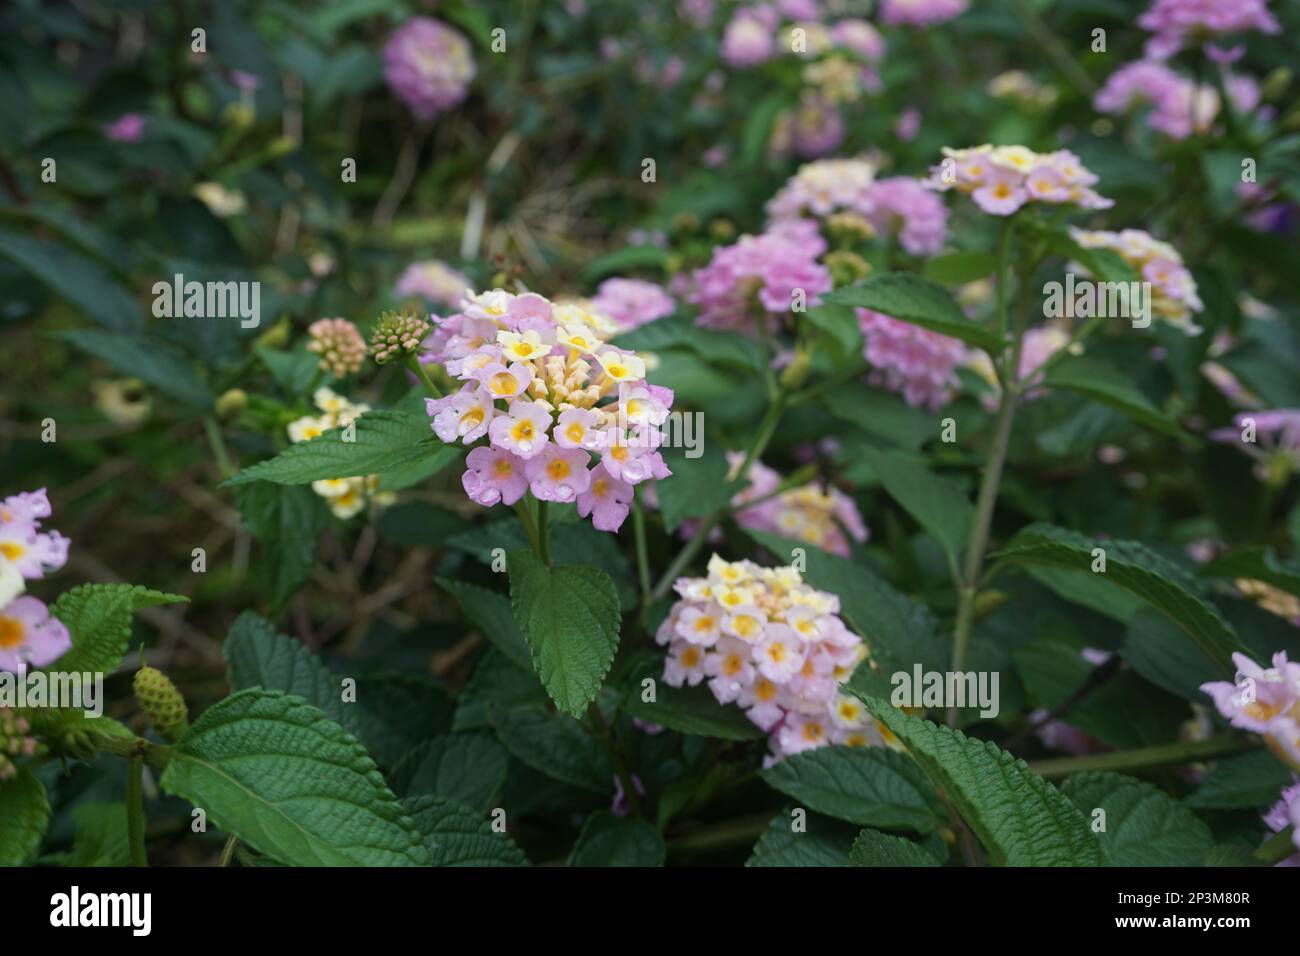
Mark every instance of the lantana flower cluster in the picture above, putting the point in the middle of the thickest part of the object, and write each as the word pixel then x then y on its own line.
pixel 1039 344
pixel 896 206
pixel 917 363
pixel 29 635
pixel 339 344
pixel 434 281
pixel 1174 297
pixel 15 741
pixel 346 497
pixel 429 66
pixel 631 302
pixel 759 275
pixel 1265 701
pixel 548 397
pixel 1286 813
pixel 1179 107
pixel 1276 444
pixel 921 12
pixel 1180 23
pixel 775 647
pixel 816 514
pixel 1002 179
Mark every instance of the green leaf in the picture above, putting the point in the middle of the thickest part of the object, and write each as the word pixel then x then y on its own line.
pixel 698 488
pixel 385 439
pixel 457 836
pixel 148 359
pixel 627 259
pixel 555 745
pixel 608 840
pixel 24 815
pixel 1144 825
pixel 1242 782
pixel 821 842
pixel 259 656
pixel 288 520
pixel 936 504
pixel 691 710
pixel 467 768
pixel 101 836
pixel 758 126
pixel 959 268
pixel 293 370
pixel 98 617
pixel 1020 818
pixel 569 616
pixel 677 332
pixel 497 685
pixel 920 302
pixel 413 472
pixel 870 786
pixel 880 415
pixel 276 771
pixel 76 278
pixel 1259 564
pixel 1157 648
pixel 1157 581
pixel 1108 385
pixel 399 710
pixel 840 325
pixel 492 613
pixel 873 848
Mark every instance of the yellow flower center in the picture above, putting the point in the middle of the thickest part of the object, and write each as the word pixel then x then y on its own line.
pixel 764 690
pixel 777 653
pixel 523 431
pixel 731 665
pixel 502 383
pixel 12 550
pixel 574 432
pixel 557 469
pixel 690 657
pixel 503 468
pixel 11 632
pixel 704 623
pixel 813 731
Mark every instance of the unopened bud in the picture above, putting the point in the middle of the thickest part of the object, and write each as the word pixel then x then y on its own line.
pixel 161 702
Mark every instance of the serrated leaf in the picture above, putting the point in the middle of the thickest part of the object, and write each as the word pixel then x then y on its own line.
pixel 469 769
pixel 840 325
pixel 937 505
pixel 1157 648
pixel 259 656
pixel 24 815
pixel 869 786
pixel 1108 385
pixel 1157 581
pixel 821 842
pixel 1144 825
pixel 291 783
pixel 80 280
pixel 959 268
pixel 570 618
pixel 609 840
pixel 288 520
pixel 398 711
pixel 457 836
pixel 691 710
pixel 873 848
pixel 148 359
pixel 1020 818
pixel 492 613
pixel 1244 781
pixel 919 301
pixel 385 439
pixel 677 332
pixel 98 617
pixel 556 745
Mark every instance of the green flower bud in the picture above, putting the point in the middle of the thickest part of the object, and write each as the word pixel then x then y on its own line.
pixel 796 373
pixel 231 404
pixel 397 334
pixel 161 702
pixel 846 267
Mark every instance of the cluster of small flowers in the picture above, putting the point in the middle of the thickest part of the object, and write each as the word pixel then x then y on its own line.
pixel 29 636
pixel 920 12
pixel 761 273
pixel 632 302
pixel 434 281
pixel 1286 813
pixel 1265 701
pixel 339 344
pixel 14 741
pixel 918 364
pixel 1040 344
pixel 812 513
pixel 900 205
pixel 1179 107
pixel 813 128
pixel 1001 179
pixel 1174 297
pixel 428 65
pixel 773 645
pixel 346 497
pixel 397 334
pixel 1276 444
pixel 1176 23
pixel 567 394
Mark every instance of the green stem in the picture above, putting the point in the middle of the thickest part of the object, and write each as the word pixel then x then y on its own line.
pixel 605 735
pixel 228 851
pixel 1146 757
pixel 422 374
pixel 642 552
pixel 530 526
pixel 1276 848
pixel 543 532
pixel 213 431
pixel 1004 253
pixel 135 810
pixel 742 831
